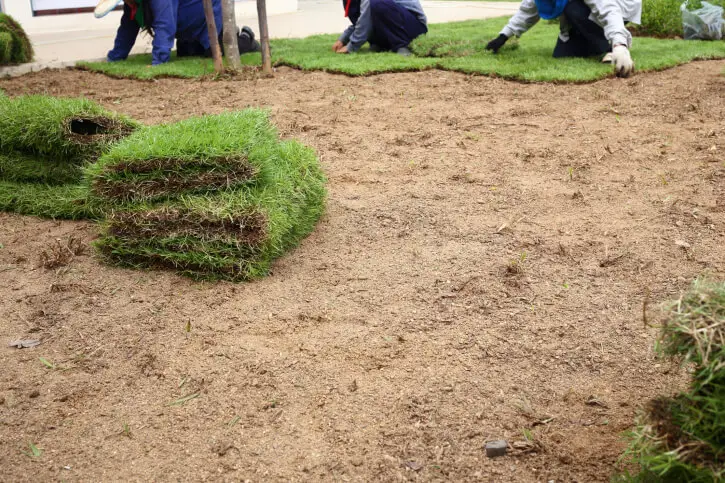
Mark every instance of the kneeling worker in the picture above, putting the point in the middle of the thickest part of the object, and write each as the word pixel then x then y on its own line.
pixel 389 25
pixel 587 28
pixel 164 20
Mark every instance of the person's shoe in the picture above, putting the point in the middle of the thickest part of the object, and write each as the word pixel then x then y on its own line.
pixel 607 59
pixel 404 51
pixel 375 48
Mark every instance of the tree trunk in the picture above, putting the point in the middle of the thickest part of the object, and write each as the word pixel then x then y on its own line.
pixel 216 52
pixel 231 47
pixel 264 37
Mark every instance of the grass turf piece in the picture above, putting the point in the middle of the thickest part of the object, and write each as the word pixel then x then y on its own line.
pixel 22 167
pixel 683 438
pixel 69 201
pixel 663 18
pixel 196 155
pixel 69 130
pixel 233 235
pixel 455 46
pixel 15 46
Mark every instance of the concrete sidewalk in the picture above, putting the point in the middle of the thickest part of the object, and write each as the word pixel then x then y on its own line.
pixel 63 49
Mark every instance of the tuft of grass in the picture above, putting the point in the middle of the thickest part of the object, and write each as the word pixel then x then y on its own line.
pixel 663 18
pixel 15 46
pixel 455 46
pixel 682 438
pixel 232 232
pixel 33 451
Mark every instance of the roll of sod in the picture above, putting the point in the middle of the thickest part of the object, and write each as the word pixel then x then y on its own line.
pixel 233 234
pixel 68 201
pixel 16 166
pixel 192 156
pixel 60 130
pixel 15 46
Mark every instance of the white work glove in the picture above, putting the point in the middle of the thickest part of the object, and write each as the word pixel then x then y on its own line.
pixel 622 61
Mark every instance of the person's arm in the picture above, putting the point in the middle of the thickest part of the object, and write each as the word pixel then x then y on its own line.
pixel 526 17
pixel 164 26
pixel 608 14
pixel 363 28
pixel 125 37
pixel 345 37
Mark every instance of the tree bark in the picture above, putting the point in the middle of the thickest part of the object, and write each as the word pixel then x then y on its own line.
pixel 231 47
pixel 264 37
pixel 216 52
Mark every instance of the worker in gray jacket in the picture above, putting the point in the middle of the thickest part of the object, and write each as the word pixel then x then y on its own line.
pixel 587 28
pixel 388 25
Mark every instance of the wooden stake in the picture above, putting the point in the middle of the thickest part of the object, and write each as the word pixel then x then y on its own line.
pixel 231 47
pixel 264 37
pixel 216 52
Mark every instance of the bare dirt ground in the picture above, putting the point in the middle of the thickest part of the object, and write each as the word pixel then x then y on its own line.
pixel 482 268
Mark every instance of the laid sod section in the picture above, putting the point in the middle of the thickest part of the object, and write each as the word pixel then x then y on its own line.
pixel 69 201
pixel 69 130
pixel 15 166
pixel 15 46
pixel 453 46
pixel 196 155
pixel 682 438
pixel 233 234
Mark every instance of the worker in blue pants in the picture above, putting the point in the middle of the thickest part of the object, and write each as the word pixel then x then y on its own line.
pixel 388 25
pixel 165 20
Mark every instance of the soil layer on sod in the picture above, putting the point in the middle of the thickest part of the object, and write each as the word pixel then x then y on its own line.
pixel 226 234
pixel 455 46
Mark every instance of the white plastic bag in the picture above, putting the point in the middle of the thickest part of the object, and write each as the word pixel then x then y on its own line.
pixel 705 23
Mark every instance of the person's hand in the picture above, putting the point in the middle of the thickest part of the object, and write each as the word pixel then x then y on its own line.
pixel 497 43
pixel 337 46
pixel 343 50
pixel 622 61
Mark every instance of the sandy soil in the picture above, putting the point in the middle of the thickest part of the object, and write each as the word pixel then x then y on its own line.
pixel 482 268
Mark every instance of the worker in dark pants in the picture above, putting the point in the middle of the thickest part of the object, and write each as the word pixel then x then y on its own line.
pixel 188 46
pixel 388 25
pixel 587 28
pixel 157 17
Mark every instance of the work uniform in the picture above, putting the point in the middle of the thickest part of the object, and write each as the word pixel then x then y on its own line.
pixel 170 19
pixel 587 27
pixel 386 24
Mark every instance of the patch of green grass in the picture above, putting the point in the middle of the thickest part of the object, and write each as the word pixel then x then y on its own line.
pixel 663 18
pixel 683 438
pixel 453 46
pixel 15 46
pixel 232 232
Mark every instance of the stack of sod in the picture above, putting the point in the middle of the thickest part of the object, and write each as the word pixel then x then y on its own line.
pixel 683 438
pixel 44 144
pixel 15 46
pixel 217 197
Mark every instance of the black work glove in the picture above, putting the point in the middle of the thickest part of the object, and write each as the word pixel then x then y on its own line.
pixel 497 43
